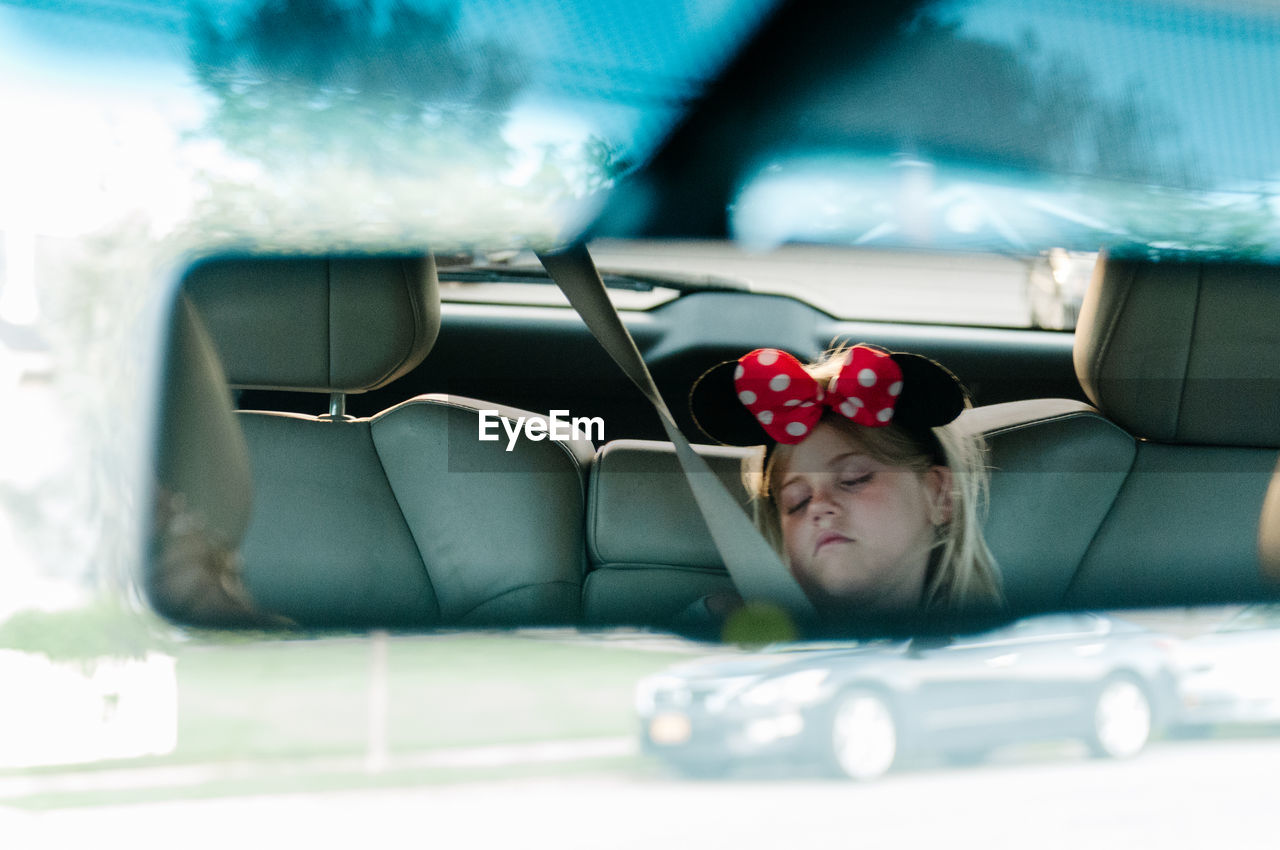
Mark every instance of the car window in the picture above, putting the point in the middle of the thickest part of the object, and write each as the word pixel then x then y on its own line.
pixel 1108 128
pixel 1043 291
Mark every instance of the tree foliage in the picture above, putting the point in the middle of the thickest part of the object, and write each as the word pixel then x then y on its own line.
pixel 299 79
pixel 944 93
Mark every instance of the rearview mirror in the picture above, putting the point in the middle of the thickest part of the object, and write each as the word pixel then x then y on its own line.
pixel 275 506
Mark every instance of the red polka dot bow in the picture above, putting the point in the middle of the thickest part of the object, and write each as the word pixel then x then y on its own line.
pixel 787 402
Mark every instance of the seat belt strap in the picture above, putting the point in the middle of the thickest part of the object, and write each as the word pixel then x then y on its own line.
pixel 755 568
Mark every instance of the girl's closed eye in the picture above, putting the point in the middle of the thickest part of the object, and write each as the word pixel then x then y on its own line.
pixel 795 506
pixel 851 482
pixel 794 499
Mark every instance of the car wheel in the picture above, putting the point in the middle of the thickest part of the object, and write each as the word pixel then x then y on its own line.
pixel 864 735
pixel 1121 719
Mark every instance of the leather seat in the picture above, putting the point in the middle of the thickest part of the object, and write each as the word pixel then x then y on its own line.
pixel 650 552
pixel 1186 357
pixel 1158 502
pixel 404 518
pixel 1057 466
pixel 1150 497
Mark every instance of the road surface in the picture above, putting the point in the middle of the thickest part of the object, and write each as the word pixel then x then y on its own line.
pixel 1178 794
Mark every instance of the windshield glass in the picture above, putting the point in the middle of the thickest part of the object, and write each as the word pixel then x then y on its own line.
pixel 488 124
pixel 998 126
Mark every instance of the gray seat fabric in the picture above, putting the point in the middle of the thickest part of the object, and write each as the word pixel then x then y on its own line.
pixel 650 552
pixel 1184 353
pixel 1186 357
pixel 1162 506
pixel 1057 467
pixel 322 325
pixel 1183 531
pixel 405 518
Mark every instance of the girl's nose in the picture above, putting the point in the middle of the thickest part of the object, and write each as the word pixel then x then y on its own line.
pixel 821 504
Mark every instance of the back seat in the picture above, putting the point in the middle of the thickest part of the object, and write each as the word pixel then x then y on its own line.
pixel 406 519
pixel 402 519
pixel 1153 497
pixel 1057 466
pixel 650 552
pixel 1185 356
pixel 1057 469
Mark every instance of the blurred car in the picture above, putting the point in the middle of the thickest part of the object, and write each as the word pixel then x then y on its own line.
pixel 859 709
pixel 1232 675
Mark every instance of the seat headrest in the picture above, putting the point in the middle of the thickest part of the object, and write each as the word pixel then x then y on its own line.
pixel 348 324
pixel 1184 352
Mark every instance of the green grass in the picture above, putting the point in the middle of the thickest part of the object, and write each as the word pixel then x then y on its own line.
pixel 276 700
pixel 285 699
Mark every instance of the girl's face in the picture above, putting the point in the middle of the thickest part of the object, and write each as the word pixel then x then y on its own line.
pixel 858 532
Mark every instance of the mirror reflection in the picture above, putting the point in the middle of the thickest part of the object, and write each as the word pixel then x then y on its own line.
pixel 343 450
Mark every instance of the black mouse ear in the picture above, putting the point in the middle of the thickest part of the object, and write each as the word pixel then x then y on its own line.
pixel 716 410
pixel 931 394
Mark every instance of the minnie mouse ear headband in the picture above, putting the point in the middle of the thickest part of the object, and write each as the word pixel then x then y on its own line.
pixel 767 396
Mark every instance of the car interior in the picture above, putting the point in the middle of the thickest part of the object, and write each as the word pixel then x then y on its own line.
pixel 283 278
pixel 1148 493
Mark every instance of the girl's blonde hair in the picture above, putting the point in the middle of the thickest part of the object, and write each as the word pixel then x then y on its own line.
pixel 963 577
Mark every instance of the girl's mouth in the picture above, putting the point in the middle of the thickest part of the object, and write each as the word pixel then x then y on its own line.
pixel 829 537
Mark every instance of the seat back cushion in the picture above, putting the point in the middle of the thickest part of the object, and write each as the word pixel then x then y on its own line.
pixel 1184 531
pixel 1057 467
pixel 650 551
pixel 500 532
pixel 405 519
pixel 328 544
